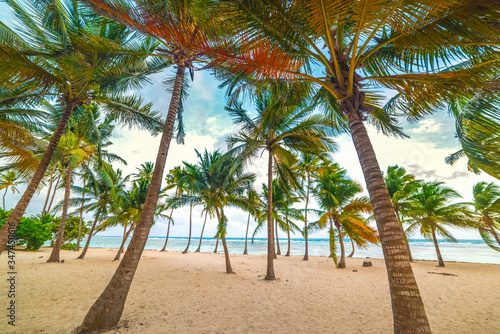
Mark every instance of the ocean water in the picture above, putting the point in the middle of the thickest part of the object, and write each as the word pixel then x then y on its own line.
pixel 462 251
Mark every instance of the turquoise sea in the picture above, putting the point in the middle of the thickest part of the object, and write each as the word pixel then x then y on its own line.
pixel 462 251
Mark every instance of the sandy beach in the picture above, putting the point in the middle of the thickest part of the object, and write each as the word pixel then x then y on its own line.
pixel 175 293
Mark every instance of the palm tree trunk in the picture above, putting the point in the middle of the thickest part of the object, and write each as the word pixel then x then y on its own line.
pixel 229 270
pixel 54 193
pixel 124 240
pixel 201 236
pixel 5 193
pixel 88 239
pixel 80 223
pixel 168 232
pixel 108 308
pixel 306 255
pixel 352 245
pixel 190 225
pixel 245 252
pixel 438 252
pixel 407 305
pixel 216 245
pixel 15 216
pixel 50 188
pixel 278 252
pixel 270 236
pixel 288 233
pixel 341 263
pixel 54 256
pixel 168 229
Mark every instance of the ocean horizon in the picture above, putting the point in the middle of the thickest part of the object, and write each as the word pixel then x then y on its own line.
pixel 464 250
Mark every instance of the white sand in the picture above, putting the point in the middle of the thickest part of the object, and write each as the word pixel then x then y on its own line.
pixel 175 293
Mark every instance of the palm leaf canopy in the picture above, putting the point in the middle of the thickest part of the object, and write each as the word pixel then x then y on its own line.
pixel 427 51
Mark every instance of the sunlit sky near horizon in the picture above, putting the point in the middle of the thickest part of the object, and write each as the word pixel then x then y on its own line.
pixel 207 124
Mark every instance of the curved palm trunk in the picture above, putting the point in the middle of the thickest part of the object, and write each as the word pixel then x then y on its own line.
pixel 438 252
pixel 201 236
pixel 407 305
pixel 108 308
pixel 229 270
pixel 216 246
pixel 245 252
pixel 168 228
pixel 270 236
pixel 278 251
pixel 306 255
pixel 53 194
pixel 15 216
pixel 124 240
pixel 341 263
pixel 50 188
pixel 88 239
pixel 288 232
pixel 352 245
pixel 80 222
pixel 190 225
pixel 5 193
pixel 166 239
pixel 54 256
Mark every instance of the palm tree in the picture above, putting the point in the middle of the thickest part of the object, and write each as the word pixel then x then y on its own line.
pixel 9 179
pixel 369 45
pixel 255 210
pixel 81 146
pixel 126 207
pixel 309 165
pixel 430 213
pixel 172 180
pixel 61 54
pixel 101 190
pixel 400 187
pixel 486 203
pixel 283 124
pixel 216 183
pixel 336 196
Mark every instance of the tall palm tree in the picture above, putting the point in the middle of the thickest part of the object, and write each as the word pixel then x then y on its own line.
pixel 283 124
pixel 412 47
pixel 339 206
pixel 430 213
pixel 400 186
pixel 172 180
pixel 9 179
pixel 309 165
pixel 486 203
pixel 61 54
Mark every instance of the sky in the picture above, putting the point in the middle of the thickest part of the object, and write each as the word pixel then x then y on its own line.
pixel 207 124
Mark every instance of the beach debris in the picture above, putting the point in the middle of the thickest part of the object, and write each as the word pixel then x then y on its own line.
pixel 367 263
pixel 354 271
pixel 62 261
pixel 444 274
